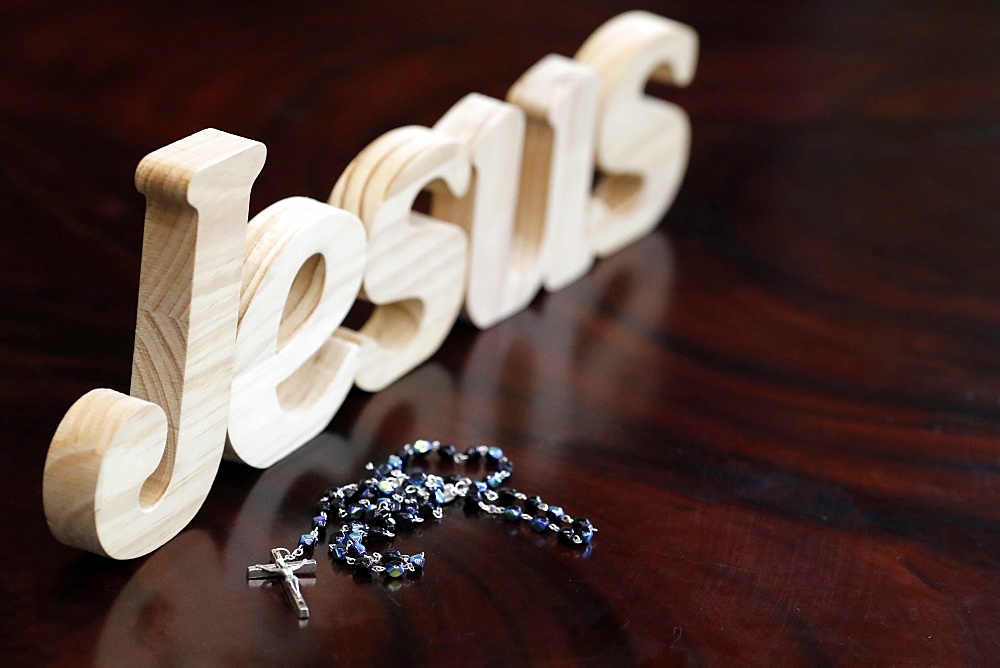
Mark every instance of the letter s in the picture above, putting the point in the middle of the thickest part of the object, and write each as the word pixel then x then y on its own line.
pixel 642 142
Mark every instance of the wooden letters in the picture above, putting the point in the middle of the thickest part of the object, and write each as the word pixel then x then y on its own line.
pixel 239 323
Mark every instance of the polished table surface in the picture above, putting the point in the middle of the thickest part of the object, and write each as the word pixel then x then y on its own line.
pixel 782 408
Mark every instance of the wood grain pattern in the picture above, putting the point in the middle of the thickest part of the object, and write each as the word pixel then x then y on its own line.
pixel 781 408
pixel 416 265
pixel 293 362
pixel 125 473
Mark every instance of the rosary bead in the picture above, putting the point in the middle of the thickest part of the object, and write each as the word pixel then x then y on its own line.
pixel 418 561
pixel 323 506
pixel 512 514
pixel 566 536
pixel 532 504
pixel 395 570
pixel 364 565
pixel 409 505
pixel 505 465
pixel 395 462
pixel 387 487
pixel 584 529
pixel 447 453
pixel 319 522
pixel 555 513
pixel 539 524
pixel 338 552
pixel 422 447
pixel 506 496
pixel 494 454
pixel 356 549
pixel 307 541
pixel 476 452
pixel 494 480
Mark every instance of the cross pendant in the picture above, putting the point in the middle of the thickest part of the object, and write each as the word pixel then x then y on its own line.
pixel 286 570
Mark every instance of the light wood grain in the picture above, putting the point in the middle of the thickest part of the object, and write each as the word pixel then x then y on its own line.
pixel 504 253
pixel 415 271
pixel 124 473
pixel 301 274
pixel 643 142
pixel 559 97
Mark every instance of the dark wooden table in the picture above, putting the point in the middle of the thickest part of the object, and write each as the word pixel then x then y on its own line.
pixel 782 408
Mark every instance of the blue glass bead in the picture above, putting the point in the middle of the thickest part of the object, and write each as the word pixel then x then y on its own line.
pixel 586 535
pixel 555 513
pixel 418 561
pixel 439 497
pixel 364 565
pixel 338 552
pixel 307 540
pixel 422 447
pixel 383 471
pixel 539 524
pixel 357 549
pixel 505 465
pixel 417 479
pixel 506 496
pixel 494 480
pixel 494 454
pixel 387 487
pixel 395 462
pixel 319 522
pixel 476 452
pixel 356 512
pixel 447 453
pixel 532 503
pixel 395 570
pixel 512 514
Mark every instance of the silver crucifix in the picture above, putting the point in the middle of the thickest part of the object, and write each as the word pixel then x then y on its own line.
pixel 286 568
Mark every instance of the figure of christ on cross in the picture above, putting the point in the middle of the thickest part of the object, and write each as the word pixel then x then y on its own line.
pixel 286 569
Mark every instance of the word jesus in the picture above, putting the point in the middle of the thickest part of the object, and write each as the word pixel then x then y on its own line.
pixel 239 349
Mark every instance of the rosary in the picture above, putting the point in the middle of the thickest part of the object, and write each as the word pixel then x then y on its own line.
pixel 391 499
